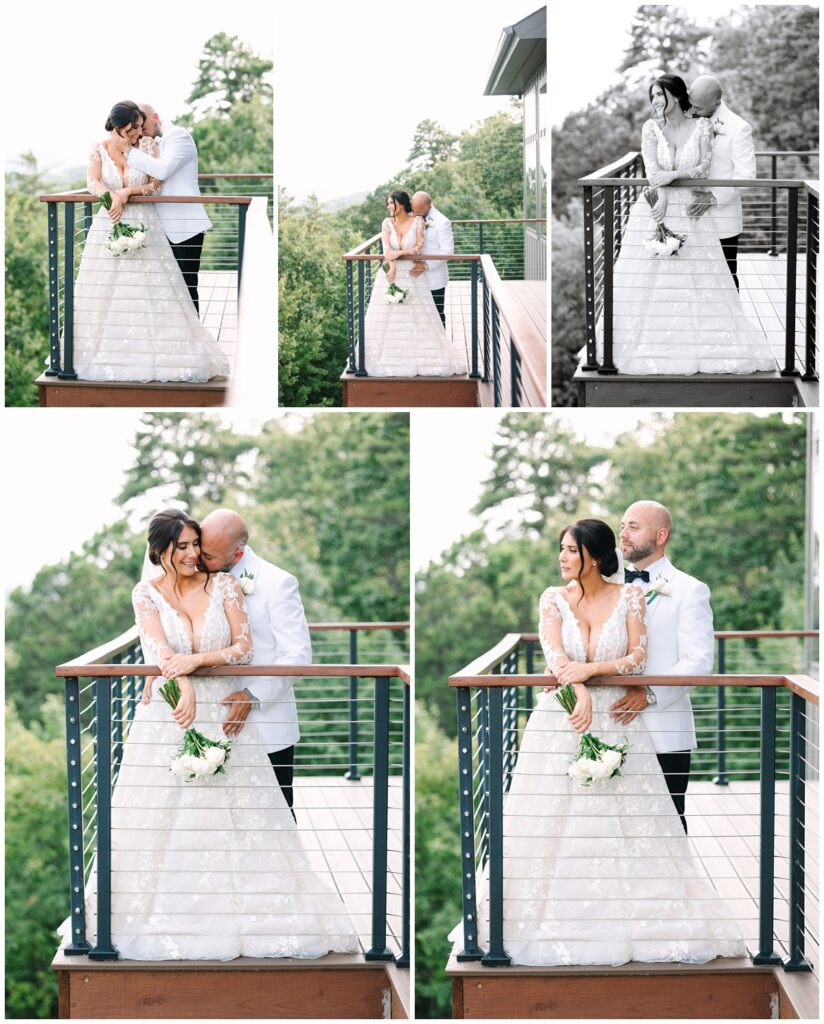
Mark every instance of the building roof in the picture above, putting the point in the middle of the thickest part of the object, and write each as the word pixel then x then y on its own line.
pixel 521 54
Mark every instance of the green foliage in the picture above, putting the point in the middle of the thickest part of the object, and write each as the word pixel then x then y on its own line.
pixel 229 73
pixel 431 144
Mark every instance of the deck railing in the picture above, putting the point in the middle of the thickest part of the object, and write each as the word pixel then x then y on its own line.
pixel 780 218
pixel 504 348
pixel 220 269
pixel 494 702
pixel 102 689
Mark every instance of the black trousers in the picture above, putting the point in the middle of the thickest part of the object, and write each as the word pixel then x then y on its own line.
pixel 730 247
pixel 188 255
pixel 283 761
pixel 439 295
pixel 676 769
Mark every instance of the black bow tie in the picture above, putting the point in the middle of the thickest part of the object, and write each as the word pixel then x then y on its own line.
pixel 630 575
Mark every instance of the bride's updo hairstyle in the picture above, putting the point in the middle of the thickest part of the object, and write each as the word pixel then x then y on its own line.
pixel 165 529
pixel 676 87
pixel 122 115
pixel 599 540
pixel 401 199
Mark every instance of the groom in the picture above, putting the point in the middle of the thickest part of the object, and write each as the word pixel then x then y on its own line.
pixel 733 156
pixel 185 224
pixel 280 636
pixel 437 240
pixel 680 642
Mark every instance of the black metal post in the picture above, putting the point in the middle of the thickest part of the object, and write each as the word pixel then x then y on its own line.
pixel 350 308
pixel 483 763
pixel 773 249
pixel 87 219
pixel 104 950
pixel 796 961
pixel 530 662
pixel 368 272
pixel 67 369
pixel 117 718
pixel 241 239
pixel 721 718
pixel 403 959
pixel 380 823
pixel 792 260
pixel 589 277
pixel 352 774
pixel 496 352
pixel 514 375
pixel 471 950
pixel 54 292
pixel 608 366
pixel 766 894
pixel 360 362
pixel 473 286
pixel 495 955
pixel 78 944
pixel 810 325
pixel 480 237
pixel 487 325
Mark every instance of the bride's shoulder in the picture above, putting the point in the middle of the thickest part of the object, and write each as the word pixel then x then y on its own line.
pixel 143 590
pixel 552 597
pixel 651 127
pixel 386 223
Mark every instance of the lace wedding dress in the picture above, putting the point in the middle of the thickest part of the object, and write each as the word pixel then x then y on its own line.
pixel 211 869
pixel 133 316
pixel 600 875
pixel 407 339
pixel 679 314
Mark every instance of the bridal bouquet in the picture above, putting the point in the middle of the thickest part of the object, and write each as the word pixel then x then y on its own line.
pixel 595 761
pixel 123 238
pixel 199 757
pixel 663 242
pixel 394 293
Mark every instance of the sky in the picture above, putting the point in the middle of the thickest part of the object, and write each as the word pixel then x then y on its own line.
pixel 56 107
pixel 353 82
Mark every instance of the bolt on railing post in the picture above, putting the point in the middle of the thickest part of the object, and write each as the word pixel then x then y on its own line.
pixel 54 295
pixel 473 286
pixel 796 961
pixel 406 910
pixel 74 790
pixel 471 950
pixel 496 352
pixel 721 727
pixel 773 249
pixel 67 369
pixel 350 308
pixel 104 950
pixel 529 668
pixel 496 956
pixel 810 371
pixel 766 895
pixel 380 822
pixel 352 774
pixel 608 365
pixel 589 275
pixel 792 260
pixel 360 362
pixel 241 239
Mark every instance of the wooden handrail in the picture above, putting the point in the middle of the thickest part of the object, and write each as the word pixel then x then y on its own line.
pixel 701 182
pixel 740 634
pixel 87 197
pixel 728 679
pixel 628 158
pixel 75 671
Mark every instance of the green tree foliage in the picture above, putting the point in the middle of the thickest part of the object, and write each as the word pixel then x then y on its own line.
pixel 665 37
pixel 430 145
pixel 229 72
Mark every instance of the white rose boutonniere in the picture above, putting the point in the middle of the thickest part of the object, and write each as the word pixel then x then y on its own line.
pixel 428 222
pixel 247 582
pixel 718 128
pixel 660 588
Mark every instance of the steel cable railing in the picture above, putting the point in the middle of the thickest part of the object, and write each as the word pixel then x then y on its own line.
pixel 757 838
pixel 355 836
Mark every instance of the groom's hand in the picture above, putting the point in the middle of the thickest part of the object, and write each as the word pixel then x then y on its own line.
pixel 239 708
pixel 417 270
pixel 630 705
pixel 702 201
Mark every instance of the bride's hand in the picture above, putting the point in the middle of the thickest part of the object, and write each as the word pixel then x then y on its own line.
pixel 115 212
pixel 146 696
pixel 659 178
pixel 581 717
pixel 184 713
pixel 180 665
pixel 575 672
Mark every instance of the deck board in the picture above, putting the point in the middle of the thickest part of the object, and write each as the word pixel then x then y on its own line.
pixel 763 281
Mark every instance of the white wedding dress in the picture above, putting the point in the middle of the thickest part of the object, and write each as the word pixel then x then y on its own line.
pixel 407 339
pixel 134 319
pixel 600 875
pixel 679 314
pixel 211 869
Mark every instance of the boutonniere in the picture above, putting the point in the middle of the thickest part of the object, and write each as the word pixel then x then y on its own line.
pixel 428 222
pixel 247 582
pixel 660 588
pixel 717 128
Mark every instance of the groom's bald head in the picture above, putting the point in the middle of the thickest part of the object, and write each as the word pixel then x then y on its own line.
pixel 421 204
pixel 223 539
pixel 645 532
pixel 151 120
pixel 705 95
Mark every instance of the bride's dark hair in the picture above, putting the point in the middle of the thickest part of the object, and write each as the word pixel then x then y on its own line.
pixel 599 540
pixel 676 87
pixel 165 529
pixel 401 198
pixel 123 114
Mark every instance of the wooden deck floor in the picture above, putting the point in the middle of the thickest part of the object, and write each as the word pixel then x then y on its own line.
pixel 218 310
pixel 763 281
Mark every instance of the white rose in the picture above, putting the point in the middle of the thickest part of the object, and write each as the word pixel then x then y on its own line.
pixel 122 244
pixel 182 767
pixel 247 585
pixel 215 756
pixel 600 772
pixel 578 771
pixel 201 767
pixel 611 758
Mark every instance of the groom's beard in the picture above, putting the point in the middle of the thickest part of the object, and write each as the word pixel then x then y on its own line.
pixel 634 555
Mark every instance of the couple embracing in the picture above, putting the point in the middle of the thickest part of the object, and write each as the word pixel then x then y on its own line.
pixel 604 874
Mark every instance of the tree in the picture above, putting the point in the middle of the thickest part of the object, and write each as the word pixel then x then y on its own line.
pixel 431 144
pixel 664 37
pixel 229 72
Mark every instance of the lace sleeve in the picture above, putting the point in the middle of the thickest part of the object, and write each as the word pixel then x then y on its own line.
pixel 649 147
pixel 705 140
pixel 635 660
pixel 549 631
pixel 94 172
pixel 149 147
pixel 386 237
pixel 156 647
pixel 420 229
pixel 234 604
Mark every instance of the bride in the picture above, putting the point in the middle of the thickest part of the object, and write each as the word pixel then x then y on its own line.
pixel 210 869
pixel 599 875
pixel 133 316
pixel 678 314
pixel 406 339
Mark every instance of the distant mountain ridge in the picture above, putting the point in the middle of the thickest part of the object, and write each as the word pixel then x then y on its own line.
pixel 337 204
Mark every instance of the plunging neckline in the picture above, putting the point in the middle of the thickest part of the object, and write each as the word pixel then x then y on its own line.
pixel 125 181
pixel 398 238
pixel 586 646
pixel 180 615
pixel 674 152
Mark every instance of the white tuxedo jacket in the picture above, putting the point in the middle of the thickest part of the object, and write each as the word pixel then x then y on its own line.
pixel 733 156
pixel 176 167
pixel 680 643
pixel 280 636
pixel 437 239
